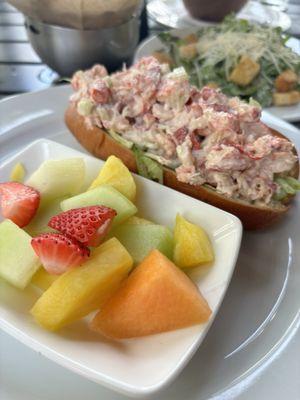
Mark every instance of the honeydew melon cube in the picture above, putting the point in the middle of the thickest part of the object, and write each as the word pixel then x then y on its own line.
pixel 140 239
pixel 138 221
pixel 18 261
pixel 104 195
pixel 58 178
pixel 39 223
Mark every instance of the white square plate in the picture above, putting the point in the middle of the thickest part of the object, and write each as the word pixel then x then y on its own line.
pixel 134 367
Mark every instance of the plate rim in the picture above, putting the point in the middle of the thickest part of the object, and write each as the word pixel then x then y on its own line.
pixel 39 97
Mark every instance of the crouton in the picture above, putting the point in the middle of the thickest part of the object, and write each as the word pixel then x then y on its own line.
pixel 191 38
pixel 245 71
pixel 163 57
pixel 286 81
pixel 212 85
pixel 287 98
pixel 188 51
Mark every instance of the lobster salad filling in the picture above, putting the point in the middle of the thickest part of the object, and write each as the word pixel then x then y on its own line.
pixel 203 135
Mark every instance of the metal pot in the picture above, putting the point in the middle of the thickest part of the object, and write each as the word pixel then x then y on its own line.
pixel 67 50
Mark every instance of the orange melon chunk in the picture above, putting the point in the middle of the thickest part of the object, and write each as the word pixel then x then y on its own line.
pixel 156 297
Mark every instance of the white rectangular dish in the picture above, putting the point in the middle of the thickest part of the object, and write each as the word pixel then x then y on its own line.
pixel 134 367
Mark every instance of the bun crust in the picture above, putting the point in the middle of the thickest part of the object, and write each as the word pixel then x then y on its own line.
pixel 101 145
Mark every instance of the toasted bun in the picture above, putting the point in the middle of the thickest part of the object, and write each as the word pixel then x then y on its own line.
pixel 101 145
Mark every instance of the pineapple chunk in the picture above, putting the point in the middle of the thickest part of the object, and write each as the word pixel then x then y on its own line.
pixel 17 173
pixel 42 279
pixel 79 291
pixel 192 245
pixel 116 174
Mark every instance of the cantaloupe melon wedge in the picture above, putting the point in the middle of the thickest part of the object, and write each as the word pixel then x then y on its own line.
pixel 157 297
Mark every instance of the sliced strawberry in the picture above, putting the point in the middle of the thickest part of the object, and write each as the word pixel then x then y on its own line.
pixel 18 202
pixel 88 225
pixel 58 252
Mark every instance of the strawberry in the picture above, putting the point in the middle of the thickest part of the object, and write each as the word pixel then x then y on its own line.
pixel 18 202
pixel 58 252
pixel 88 225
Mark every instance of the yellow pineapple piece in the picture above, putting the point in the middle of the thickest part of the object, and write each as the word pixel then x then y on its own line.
pixel 81 290
pixel 42 279
pixel 17 173
pixel 192 245
pixel 116 174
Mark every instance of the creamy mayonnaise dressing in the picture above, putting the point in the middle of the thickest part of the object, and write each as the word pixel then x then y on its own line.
pixel 204 135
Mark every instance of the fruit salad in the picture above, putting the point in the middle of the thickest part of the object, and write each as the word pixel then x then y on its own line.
pixel 86 250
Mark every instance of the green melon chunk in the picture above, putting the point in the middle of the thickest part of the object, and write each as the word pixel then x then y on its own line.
pixel 18 261
pixel 103 195
pixel 39 224
pixel 140 239
pixel 58 178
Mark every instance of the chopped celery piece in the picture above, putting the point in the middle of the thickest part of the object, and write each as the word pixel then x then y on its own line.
pixel 285 186
pixel 293 182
